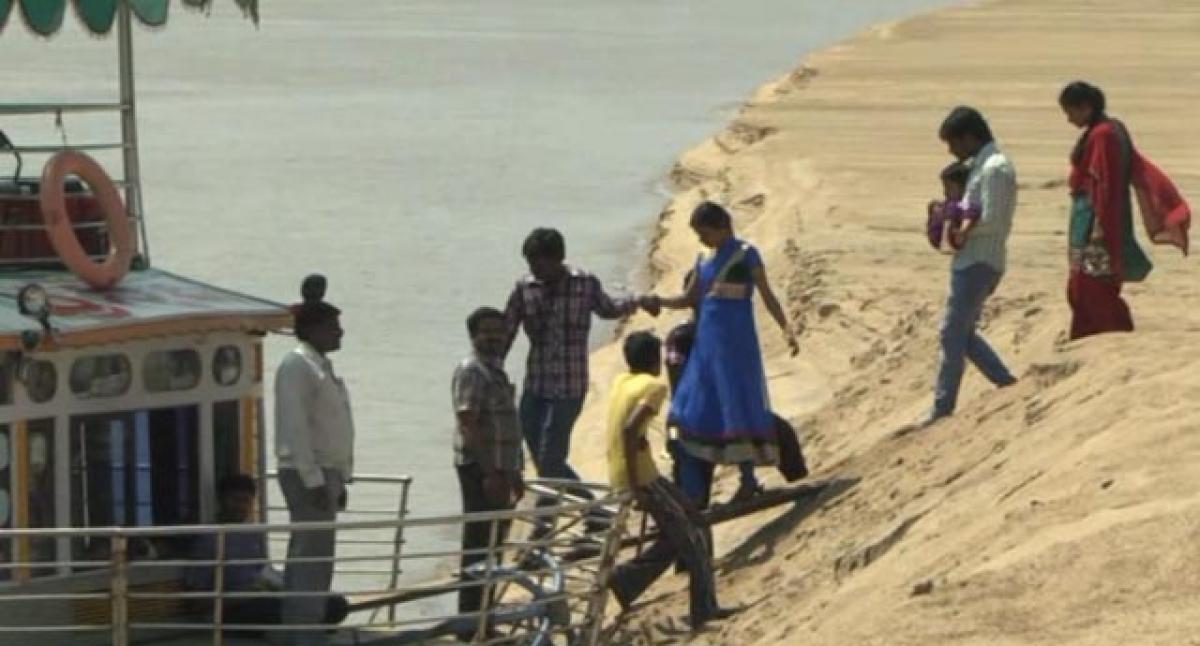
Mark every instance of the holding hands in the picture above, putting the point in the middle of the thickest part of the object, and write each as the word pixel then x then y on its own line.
pixel 651 303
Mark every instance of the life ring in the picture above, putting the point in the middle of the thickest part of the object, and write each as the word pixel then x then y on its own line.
pixel 121 236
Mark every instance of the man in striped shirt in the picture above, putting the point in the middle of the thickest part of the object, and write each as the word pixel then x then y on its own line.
pixel 980 260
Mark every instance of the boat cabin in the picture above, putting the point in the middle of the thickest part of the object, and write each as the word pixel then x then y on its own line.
pixel 125 408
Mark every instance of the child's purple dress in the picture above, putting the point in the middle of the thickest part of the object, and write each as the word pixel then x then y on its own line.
pixel 948 211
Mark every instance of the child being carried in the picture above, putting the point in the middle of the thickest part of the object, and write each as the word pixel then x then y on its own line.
pixel 945 218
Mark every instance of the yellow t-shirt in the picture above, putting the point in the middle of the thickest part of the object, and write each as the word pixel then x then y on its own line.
pixel 628 391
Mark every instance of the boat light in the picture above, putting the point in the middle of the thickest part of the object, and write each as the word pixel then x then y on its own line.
pixel 33 301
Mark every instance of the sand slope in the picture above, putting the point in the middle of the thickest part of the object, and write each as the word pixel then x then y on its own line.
pixel 1064 510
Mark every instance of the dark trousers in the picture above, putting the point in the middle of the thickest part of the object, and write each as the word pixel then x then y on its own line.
pixel 691 474
pixel 477 535
pixel 682 533
pixel 309 576
pixel 547 424
pixel 695 475
pixel 269 611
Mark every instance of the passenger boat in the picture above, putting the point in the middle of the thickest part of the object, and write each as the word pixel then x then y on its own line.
pixel 127 392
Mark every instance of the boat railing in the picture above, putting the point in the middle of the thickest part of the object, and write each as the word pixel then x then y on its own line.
pixel 376 490
pixel 14 109
pixel 542 583
pixel 128 181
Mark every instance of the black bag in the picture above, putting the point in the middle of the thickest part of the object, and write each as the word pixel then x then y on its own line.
pixel 791 457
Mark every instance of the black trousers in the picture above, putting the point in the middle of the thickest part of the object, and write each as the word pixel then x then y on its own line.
pixel 267 611
pixel 682 534
pixel 477 535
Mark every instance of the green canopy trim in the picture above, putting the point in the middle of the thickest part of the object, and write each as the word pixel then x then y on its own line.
pixel 150 12
pixel 96 15
pixel 45 17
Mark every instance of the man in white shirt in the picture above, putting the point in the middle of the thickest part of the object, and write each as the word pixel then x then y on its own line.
pixel 980 260
pixel 314 442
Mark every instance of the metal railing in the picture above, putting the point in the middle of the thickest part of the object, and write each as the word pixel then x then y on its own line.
pixel 12 109
pixel 50 149
pixel 128 180
pixel 544 584
pixel 398 510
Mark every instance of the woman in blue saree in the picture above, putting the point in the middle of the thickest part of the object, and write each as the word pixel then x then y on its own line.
pixel 721 407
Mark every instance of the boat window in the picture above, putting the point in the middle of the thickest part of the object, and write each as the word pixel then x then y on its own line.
pixel 41 380
pixel 135 468
pixel 227 365
pixel 11 359
pixel 40 447
pixel 169 370
pixel 101 375
pixel 6 511
pixel 227 453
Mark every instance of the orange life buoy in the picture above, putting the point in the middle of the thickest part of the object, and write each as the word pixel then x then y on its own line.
pixel 121 235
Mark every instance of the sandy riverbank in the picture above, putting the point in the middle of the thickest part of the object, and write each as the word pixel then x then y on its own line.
pixel 1065 510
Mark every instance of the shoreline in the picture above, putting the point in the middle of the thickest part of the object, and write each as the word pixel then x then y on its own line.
pixel 959 535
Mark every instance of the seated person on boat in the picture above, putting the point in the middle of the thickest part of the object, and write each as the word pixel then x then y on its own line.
pixel 250 571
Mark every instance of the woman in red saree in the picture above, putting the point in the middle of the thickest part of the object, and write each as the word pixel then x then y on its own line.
pixel 1106 172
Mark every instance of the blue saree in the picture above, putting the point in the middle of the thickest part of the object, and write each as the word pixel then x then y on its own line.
pixel 721 405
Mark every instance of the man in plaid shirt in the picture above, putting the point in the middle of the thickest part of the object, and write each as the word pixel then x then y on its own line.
pixel 554 303
pixel 487 444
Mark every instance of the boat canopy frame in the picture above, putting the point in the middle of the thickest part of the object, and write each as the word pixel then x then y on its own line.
pixel 44 17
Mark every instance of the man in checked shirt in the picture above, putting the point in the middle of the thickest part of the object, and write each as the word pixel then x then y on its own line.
pixel 487 445
pixel 555 303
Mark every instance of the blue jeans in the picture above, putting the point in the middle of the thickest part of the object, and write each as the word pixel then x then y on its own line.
pixel 694 476
pixel 969 290
pixel 546 424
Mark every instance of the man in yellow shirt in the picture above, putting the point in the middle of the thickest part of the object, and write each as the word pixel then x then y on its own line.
pixel 636 398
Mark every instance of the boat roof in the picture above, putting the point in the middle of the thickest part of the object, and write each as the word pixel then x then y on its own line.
pixel 146 304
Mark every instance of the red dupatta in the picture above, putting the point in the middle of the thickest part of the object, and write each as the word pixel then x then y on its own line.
pixel 1097 170
pixel 1164 211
